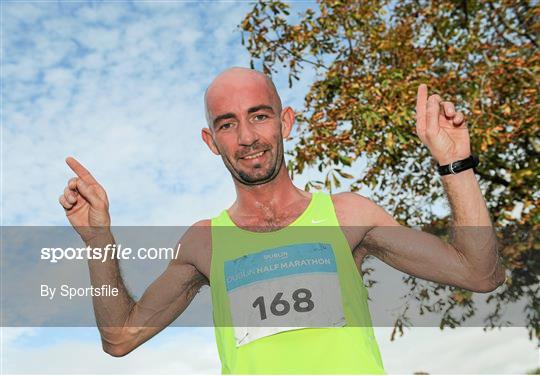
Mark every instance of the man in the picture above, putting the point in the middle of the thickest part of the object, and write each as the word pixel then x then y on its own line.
pixel 316 284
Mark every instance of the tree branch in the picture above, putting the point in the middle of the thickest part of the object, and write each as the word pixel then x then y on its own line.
pixel 494 179
pixel 510 27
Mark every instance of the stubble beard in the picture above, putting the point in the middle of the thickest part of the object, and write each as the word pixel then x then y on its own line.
pixel 246 178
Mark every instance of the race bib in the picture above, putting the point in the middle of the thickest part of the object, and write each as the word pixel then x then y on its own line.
pixel 283 288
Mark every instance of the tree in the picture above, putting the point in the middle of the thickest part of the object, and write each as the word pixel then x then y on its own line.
pixel 370 57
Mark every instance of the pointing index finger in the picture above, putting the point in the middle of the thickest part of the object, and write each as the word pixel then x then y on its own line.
pixel 80 170
pixel 421 106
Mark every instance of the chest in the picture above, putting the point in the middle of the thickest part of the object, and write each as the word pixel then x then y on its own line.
pixel 270 222
pixel 267 220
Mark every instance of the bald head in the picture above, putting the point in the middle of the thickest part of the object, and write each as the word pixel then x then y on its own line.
pixel 247 125
pixel 239 83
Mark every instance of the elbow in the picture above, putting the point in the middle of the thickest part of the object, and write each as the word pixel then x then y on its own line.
pixel 117 351
pixel 117 343
pixel 491 283
pixel 483 288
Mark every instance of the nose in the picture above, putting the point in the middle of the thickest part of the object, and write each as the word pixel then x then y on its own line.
pixel 246 134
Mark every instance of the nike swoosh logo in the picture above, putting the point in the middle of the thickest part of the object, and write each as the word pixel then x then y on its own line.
pixel 315 221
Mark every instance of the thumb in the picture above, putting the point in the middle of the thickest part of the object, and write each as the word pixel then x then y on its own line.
pixel 88 193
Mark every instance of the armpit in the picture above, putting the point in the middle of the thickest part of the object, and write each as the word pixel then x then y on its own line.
pixel 194 285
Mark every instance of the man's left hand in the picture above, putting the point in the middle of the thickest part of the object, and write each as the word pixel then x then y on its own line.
pixel 441 128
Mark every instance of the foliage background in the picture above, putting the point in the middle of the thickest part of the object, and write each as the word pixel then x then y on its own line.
pixel 119 85
pixel 370 57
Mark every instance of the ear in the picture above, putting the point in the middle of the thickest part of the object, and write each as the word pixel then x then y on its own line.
pixel 209 140
pixel 287 121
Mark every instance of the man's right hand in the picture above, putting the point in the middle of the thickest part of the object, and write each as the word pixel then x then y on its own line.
pixel 124 323
pixel 85 203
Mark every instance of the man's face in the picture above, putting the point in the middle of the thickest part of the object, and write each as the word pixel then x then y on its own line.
pixel 246 129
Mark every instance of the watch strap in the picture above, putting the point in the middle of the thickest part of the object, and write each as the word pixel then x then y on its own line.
pixel 458 166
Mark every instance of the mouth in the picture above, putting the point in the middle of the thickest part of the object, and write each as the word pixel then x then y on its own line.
pixel 254 156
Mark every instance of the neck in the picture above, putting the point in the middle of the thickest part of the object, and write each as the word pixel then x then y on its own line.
pixel 268 198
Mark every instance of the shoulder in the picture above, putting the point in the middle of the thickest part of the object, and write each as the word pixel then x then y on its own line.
pixel 196 242
pixel 353 209
pixel 199 234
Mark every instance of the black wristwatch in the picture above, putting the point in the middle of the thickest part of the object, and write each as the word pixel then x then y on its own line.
pixel 458 166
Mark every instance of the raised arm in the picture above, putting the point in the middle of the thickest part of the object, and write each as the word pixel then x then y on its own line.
pixel 124 323
pixel 470 260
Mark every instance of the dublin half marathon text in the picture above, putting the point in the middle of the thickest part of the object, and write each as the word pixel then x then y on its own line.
pixel 278 266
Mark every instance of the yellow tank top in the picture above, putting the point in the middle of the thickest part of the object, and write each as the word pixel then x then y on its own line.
pixel 290 301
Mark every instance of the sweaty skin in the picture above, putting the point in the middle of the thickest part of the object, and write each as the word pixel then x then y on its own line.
pixel 246 128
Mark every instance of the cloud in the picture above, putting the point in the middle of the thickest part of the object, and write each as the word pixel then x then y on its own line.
pixel 193 351
pixel 187 351
pixel 119 85
pixel 458 351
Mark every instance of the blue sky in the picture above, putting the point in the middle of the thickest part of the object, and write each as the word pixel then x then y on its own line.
pixel 119 85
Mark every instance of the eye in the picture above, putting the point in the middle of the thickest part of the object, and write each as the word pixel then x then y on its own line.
pixel 260 117
pixel 225 126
